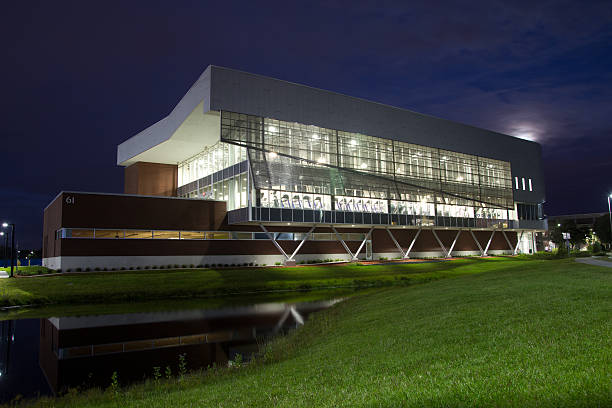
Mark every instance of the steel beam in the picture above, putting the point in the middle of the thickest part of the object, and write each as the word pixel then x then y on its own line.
pixel 412 243
pixel 477 243
pixel 362 244
pixel 346 248
pixel 301 243
pixel 450 251
pixel 404 255
pixel 507 240
pixel 276 244
pixel 518 242
pixel 439 242
pixel 489 243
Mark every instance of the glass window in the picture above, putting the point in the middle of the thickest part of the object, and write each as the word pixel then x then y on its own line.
pixel 166 234
pixel 139 234
pixel 113 233
pixel 193 235
pixel 81 233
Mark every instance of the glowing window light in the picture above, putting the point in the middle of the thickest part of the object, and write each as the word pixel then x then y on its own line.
pixel 364 166
pixel 353 142
pixel 272 155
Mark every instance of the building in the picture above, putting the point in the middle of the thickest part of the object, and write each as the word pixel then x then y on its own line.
pixel 585 222
pixel 249 169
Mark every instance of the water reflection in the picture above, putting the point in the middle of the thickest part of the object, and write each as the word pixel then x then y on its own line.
pixel 86 350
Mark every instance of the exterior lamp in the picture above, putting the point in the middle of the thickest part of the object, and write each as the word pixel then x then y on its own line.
pixel 610 212
pixel 5 225
pixel 2 234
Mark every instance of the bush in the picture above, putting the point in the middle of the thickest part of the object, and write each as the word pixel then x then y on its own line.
pixel 192 266
pixel 206 265
pixel 596 249
pixel 78 269
pixel 96 269
pixel 58 270
pixel 580 254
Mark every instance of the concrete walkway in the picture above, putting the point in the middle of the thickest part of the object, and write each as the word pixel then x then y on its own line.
pixel 3 274
pixel 594 261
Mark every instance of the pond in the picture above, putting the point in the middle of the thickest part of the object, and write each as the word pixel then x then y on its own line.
pixel 48 355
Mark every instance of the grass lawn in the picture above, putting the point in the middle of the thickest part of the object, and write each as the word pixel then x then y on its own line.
pixel 128 286
pixel 529 333
pixel 28 270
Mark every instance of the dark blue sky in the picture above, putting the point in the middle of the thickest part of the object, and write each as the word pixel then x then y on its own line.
pixel 81 77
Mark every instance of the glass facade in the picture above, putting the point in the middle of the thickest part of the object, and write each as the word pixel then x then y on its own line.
pixel 265 163
pixel 296 166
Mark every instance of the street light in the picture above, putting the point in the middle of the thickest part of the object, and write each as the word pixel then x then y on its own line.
pixel 5 225
pixel 610 214
pixel 2 234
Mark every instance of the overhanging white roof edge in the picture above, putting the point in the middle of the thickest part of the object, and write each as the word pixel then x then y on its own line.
pixel 165 128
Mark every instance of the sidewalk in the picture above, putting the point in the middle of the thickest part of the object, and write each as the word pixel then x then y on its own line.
pixel 596 262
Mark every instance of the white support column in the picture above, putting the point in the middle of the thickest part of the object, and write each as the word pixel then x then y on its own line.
pixel 346 248
pixel 404 255
pixel 489 243
pixel 276 244
pixel 439 242
pixel 518 242
pixel 301 243
pixel 412 243
pixel 507 240
pixel 477 243
pixel 362 244
pixel 450 251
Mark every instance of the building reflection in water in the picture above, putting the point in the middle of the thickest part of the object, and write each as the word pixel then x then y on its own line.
pixel 7 337
pixel 77 351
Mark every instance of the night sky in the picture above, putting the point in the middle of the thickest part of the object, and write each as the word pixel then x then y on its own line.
pixel 81 77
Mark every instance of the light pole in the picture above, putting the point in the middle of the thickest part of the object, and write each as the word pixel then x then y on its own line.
pixel 2 234
pixel 610 215
pixel 5 225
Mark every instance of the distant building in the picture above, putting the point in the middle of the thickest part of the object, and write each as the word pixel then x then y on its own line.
pixel 259 170
pixel 586 221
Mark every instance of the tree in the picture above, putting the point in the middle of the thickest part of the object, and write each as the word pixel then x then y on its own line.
pixel 555 235
pixel 602 229
pixel 577 234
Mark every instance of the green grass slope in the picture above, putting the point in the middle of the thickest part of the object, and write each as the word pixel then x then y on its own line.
pixel 531 333
pixel 127 286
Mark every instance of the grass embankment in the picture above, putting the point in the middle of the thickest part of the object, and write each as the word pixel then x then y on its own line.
pixel 532 333
pixel 128 286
